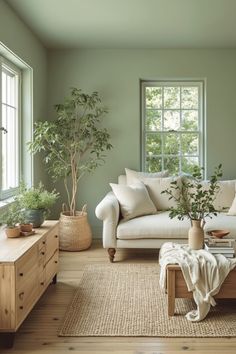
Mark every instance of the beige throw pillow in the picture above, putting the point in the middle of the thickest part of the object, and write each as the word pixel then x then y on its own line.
pixel 232 209
pixel 132 176
pixel 134 200
pixel 225 195
pixel 155 186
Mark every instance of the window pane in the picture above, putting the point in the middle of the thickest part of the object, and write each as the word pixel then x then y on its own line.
pixel 171 120
pixel 171 144
pixel 10 160
pixel 188 163
pixel 172 124
pixel 153 97
pixel 171 163
pixel 190 120
pixel 189 97
pixel 153 144
pixel 172 97
pixel 4 87
pixel 153 119
pixel 189 144
pixel 153 164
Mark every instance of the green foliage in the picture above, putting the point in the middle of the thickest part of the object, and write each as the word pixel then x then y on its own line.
pixel 192 199
pixel 35 198
pixel 11 216
pixel 73 144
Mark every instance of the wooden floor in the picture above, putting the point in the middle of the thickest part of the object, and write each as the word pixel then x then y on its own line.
pixel 38 334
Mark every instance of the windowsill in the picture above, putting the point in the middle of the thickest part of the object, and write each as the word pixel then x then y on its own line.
pixel 4 203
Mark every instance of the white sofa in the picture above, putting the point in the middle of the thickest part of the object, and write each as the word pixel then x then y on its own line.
pixel 151 231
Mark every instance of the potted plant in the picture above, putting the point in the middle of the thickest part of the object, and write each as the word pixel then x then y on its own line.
pixel 35 203
pixel 25 226
pixel 195 201
pixel 11 218
pixel 73 144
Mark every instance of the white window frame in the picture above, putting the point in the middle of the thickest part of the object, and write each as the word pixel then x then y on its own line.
pixel 10 67
pixel 201 116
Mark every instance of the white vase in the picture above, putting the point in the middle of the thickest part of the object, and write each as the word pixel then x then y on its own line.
pixel 196 235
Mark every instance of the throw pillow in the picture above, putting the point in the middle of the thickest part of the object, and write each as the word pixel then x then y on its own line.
pixel 134 200
pixel 232 209
pixel 225 195
pixel 155 186
pixel 132 176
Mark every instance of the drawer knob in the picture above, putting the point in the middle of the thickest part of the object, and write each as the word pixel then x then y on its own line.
pixel 44 242
pixel 56 236
pixel 21 307
pixel 21 274
pixel 55 261
pixel 43 253
pixel 21 295
pixel 42 283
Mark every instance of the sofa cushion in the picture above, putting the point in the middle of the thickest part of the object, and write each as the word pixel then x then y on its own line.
pixel 155 186
pixel 134 200
pixel 132 176
pixel 162 227
pixel 153 226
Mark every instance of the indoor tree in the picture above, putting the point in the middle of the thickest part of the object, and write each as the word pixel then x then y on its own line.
pixel 74 143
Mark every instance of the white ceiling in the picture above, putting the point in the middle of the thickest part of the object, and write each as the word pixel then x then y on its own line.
pixel 130 23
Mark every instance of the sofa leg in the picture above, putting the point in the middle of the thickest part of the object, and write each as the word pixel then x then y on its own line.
pixel 111 252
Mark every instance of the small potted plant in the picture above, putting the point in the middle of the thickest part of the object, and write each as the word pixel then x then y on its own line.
pixel 11 218
pixel 35 202
pixel 195 201
pixel 25 226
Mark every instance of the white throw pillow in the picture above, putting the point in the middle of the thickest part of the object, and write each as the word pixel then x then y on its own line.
pixel 132 176
pixel 155 186
pixel 134 200
pixel 225 195
pixel 232 209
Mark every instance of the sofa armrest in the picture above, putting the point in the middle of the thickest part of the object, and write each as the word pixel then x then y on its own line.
pixel 108 211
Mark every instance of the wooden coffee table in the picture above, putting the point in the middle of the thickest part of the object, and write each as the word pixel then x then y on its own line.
pixel 177 288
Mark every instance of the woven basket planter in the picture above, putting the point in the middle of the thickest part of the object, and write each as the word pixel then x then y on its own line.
pixel 74 231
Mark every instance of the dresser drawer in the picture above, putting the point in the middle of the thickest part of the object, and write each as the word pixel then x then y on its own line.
pixel 26 266
pixel 26 296
pixel 52 267
pixel 52 243
pixel 42 242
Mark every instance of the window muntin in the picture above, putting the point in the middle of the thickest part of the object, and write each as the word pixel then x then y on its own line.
pixel 10 121
pixel 172 125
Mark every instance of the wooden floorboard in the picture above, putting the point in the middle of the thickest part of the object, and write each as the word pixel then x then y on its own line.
pixel 38 334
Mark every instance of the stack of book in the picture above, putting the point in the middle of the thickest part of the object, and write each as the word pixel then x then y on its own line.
pixel 221 246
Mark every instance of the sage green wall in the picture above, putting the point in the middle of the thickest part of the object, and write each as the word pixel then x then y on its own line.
pixel 21 41
pixel 116 74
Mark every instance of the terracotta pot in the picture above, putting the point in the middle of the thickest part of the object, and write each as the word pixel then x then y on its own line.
pixel 12 232
pixel 26 227
pixel 196 235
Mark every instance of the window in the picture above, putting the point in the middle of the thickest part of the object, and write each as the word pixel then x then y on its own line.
pixel 10 128
pixel 172 125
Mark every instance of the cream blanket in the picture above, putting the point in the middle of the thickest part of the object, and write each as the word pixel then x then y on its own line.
pixel 203 274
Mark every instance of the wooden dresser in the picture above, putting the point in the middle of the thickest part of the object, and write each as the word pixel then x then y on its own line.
pixel 27 266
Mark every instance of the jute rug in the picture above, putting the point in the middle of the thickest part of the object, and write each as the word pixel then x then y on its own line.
pixel 126 300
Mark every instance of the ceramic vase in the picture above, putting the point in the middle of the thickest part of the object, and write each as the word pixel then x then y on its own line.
pixel 35 216
pixel 196 235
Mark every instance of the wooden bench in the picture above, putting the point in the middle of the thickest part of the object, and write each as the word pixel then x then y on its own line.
pixel 177 288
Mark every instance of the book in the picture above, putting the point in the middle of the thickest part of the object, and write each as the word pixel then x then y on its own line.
pixel 225 248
